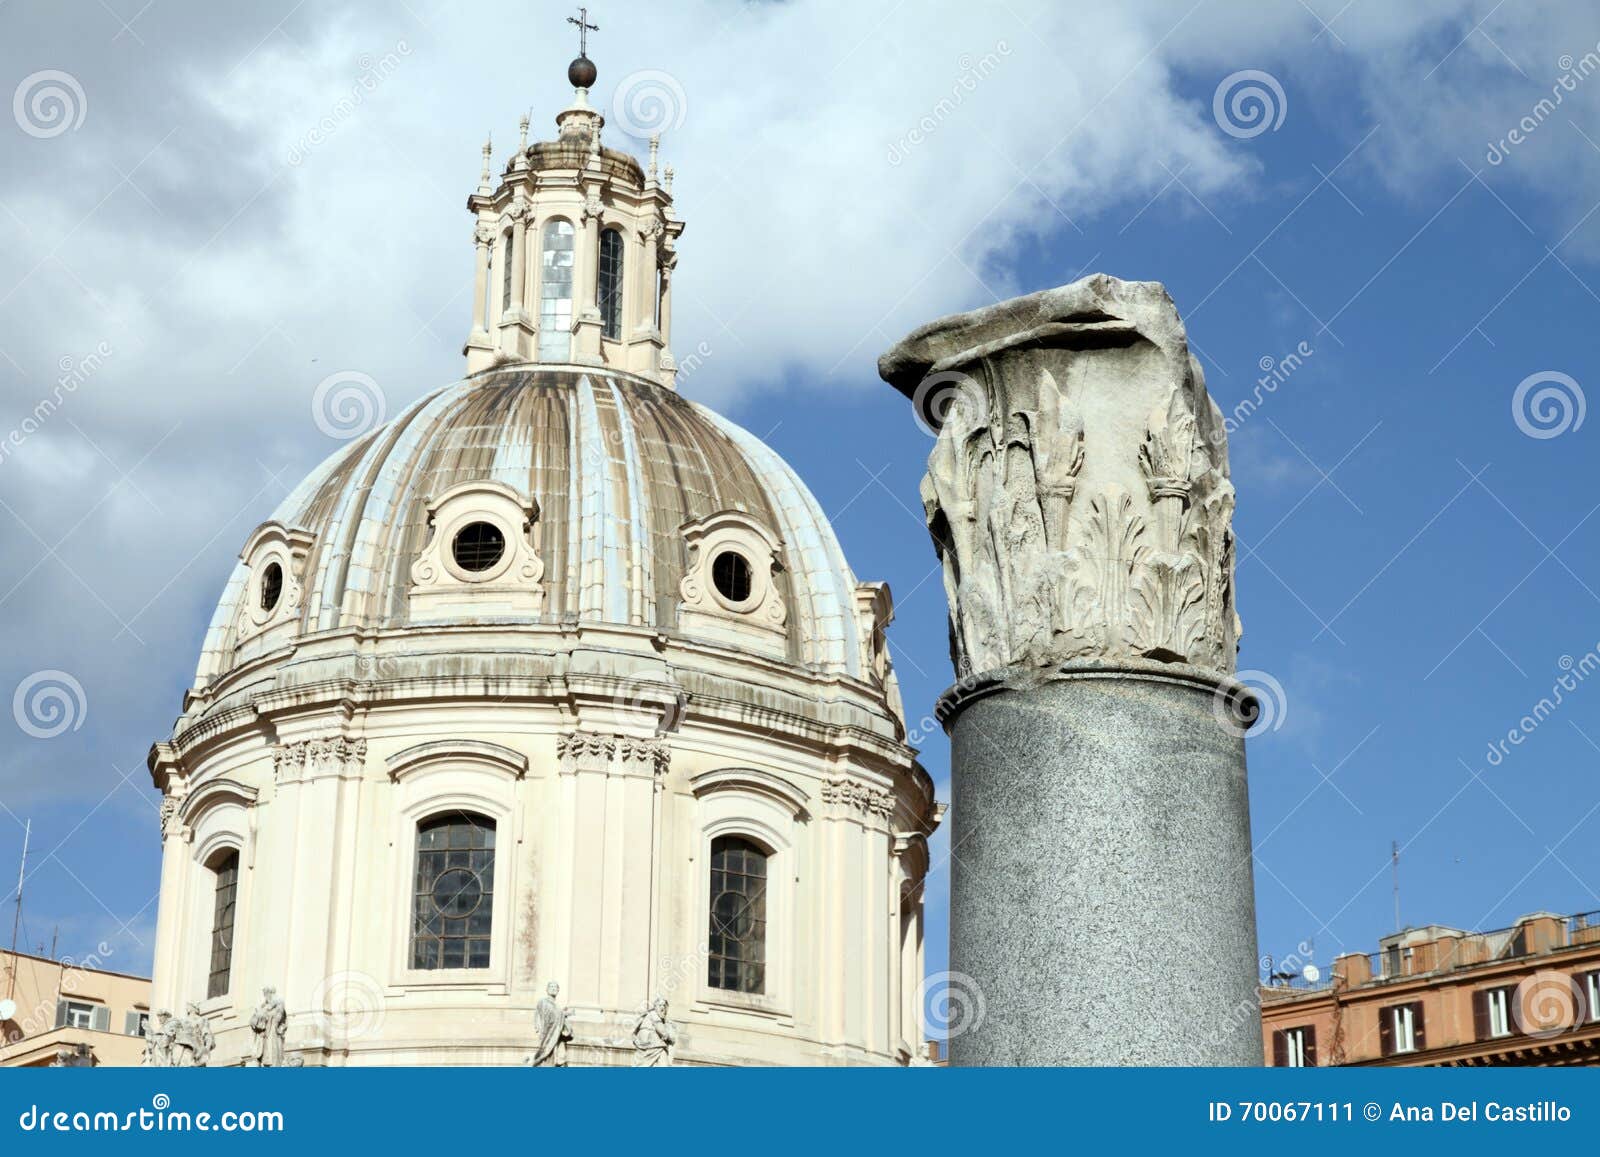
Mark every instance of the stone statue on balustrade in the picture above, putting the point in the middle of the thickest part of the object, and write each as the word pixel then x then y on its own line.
pixel 552 1029
pixel 192 1040
pixel 270 1023
pixel 159 1040
pixel 654 1036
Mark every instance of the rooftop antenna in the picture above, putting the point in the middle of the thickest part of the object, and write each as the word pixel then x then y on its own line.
pixel 16 921
pixel 1394 868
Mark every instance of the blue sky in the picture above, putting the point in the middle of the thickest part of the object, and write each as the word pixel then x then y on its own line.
pixel 1416 570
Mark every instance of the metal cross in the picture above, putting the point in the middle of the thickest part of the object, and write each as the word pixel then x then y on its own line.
pixel 584 28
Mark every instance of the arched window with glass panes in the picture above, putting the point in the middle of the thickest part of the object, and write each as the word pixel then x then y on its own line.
pixel 609 284
pixel 555 292
pixel 505 273
pixel 453 899
pixel 738 947
pixel 224 868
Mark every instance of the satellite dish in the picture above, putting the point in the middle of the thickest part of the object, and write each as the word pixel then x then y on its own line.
pixel 8 1009
pixel 1312 973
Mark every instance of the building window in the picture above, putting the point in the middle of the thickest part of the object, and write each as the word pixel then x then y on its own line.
pixel 454 898
pixel 555 293
pixel 731 575
pixel 75 1014
pixel 1593 989
pixel 136 1023
pixel 505 277
pixel 271 586
pixel 1496 1019
pixel 738 915
pixel 609 285
pixel 1295 1048
pixel 478 546
pixel 226 869
pixel 1400 1028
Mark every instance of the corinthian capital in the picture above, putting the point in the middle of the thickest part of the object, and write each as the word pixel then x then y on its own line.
pixel 1077 491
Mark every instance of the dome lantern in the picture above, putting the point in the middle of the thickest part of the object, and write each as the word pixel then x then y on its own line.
pixel 576 247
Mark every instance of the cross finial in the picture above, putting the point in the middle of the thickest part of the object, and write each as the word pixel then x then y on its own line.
pixel 584 28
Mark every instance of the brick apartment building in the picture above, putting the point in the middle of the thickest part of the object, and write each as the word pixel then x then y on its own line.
pixel 1437 996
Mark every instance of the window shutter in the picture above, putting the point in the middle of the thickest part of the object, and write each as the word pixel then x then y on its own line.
pixel 61 1013
pixel 1416 1014
pixel 1386 1031
pixel 130 1023
pixel 1310 1038
pixel 1480 1014
pixel 102 1019
pixel 1280 1048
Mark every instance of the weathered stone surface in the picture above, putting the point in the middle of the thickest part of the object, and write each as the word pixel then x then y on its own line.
pixel 1102 906
pixel 1101 896
pixel 1078 492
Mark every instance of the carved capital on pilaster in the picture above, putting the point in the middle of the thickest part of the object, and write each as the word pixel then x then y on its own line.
pixel 308 759
pixel 848 795
pixel 613 754
pixel 585 750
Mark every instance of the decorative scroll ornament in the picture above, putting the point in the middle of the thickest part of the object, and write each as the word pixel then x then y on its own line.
pixel 1077 493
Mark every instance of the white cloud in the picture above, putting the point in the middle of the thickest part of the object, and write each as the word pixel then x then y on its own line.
pixel 229 282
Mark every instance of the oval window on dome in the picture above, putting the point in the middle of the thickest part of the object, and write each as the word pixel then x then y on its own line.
pixel 478 546
pixel 732 576
pixel 271 586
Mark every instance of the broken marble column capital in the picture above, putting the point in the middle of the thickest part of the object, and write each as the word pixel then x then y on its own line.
pixel 1078 498
pixel 1078 491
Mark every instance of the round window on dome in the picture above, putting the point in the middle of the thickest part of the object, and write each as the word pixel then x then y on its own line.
pixel 731 575
pixel 478 546
pixel 271 586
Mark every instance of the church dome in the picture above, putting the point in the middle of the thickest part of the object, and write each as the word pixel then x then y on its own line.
pixel 557 687
pixel 619 472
